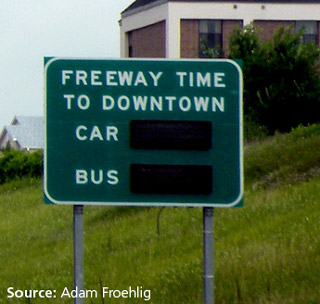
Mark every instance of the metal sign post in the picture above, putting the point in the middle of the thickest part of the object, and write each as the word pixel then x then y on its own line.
pixel 78 251
pixel 208 265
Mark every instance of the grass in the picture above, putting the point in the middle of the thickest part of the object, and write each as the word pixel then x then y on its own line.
pixel 283 159
pixel 272 253
pixel 266 252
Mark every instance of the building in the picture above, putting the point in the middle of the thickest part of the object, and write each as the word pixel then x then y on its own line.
pixel 24 133
pixel 177 28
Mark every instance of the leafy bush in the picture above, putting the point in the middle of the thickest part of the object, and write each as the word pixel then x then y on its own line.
pixel 281 78
pixel 18 164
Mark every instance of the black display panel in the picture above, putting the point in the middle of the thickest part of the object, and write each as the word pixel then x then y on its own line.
pixel 170 179
pixel 171 135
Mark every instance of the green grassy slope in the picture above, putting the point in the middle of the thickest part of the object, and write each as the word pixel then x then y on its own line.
pixel 266 252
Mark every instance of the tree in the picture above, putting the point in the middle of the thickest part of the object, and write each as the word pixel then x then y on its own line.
pixel 281 78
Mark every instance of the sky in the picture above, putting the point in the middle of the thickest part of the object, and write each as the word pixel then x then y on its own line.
pixel 34 29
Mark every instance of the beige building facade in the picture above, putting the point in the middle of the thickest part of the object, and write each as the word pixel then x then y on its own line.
pixel 176 29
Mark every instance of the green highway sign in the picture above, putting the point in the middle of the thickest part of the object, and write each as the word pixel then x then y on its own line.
pixel 143 132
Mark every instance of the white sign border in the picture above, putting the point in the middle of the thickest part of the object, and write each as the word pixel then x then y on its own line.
pixel 146 204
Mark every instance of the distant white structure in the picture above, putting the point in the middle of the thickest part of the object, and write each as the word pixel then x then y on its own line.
pixel 24 133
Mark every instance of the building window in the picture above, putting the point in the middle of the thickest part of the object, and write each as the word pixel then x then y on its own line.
pixel 310 31
pixel 130 47
pixel 210 38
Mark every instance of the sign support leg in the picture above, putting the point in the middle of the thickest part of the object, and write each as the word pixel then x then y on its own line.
pixel 208 265
pixel 78 251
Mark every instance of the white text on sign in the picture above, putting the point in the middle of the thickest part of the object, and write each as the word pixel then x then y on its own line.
pixel 140 78
pixel 96 177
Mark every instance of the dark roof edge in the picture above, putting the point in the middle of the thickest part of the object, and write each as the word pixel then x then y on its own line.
pixel 136 7
pixel 130 11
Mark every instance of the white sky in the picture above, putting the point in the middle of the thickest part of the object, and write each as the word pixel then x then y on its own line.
pixel 33 29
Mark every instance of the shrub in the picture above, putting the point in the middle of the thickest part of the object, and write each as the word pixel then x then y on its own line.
pixel 281 79
pixel 18 164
